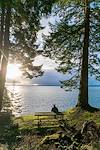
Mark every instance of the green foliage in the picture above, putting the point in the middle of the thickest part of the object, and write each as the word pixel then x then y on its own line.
pixel 9 131
pixel 10 135
pixel 24 25
pixel 65 42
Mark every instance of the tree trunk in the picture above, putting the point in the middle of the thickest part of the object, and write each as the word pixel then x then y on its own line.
pixel 6 54
pixel 83 95
pixel 1 44
pixel 2 28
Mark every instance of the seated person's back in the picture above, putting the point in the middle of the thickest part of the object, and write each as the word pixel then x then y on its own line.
pixel 54 109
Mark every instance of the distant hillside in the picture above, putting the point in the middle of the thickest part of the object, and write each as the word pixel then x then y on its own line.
pixel 51 77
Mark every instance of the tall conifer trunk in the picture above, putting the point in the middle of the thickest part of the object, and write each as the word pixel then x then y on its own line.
pixel 83 95
pixel 6 53
pixel 2 28
pixel 1 45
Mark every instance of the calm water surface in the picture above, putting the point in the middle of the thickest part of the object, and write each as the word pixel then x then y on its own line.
pixel 30 99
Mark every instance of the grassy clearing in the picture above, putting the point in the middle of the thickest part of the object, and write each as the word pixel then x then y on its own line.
pixel 73 116
pixel 34 122
pixel 78 117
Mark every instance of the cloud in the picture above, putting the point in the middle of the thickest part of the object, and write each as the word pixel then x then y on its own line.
pixel 47 63
pixel 45 23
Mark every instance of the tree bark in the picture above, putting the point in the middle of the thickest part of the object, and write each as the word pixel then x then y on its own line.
pixel 83 95
pixel 6 54
pixel 2 28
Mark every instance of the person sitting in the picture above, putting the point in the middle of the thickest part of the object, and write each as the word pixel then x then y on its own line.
pixel 57 112
pixel 54 109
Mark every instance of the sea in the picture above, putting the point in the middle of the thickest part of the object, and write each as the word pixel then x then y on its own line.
pixel 28 99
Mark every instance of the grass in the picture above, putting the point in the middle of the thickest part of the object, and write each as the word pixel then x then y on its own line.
pixel 33 122
pixel 73 116
pixel 77 117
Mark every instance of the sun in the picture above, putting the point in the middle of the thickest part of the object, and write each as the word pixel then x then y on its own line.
pixel 13 71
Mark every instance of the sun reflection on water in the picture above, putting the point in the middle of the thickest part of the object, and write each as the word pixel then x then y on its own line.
pixel 15 99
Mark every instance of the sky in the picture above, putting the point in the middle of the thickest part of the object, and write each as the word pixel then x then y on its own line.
pixel 47 63
pixel 45 23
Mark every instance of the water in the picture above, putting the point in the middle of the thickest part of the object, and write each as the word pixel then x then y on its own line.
pixel 94 96
pixel 30 99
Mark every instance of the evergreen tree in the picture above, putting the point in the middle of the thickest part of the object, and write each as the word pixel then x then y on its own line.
pixel 20 22
pixel 74 42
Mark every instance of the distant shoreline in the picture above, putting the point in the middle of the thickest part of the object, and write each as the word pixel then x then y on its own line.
pixel 7 84
pixel 29 85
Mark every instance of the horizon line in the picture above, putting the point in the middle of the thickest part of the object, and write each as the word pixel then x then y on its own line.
pixel 11 84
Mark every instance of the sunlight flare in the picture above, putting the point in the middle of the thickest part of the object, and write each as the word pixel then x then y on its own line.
pixel 13 71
